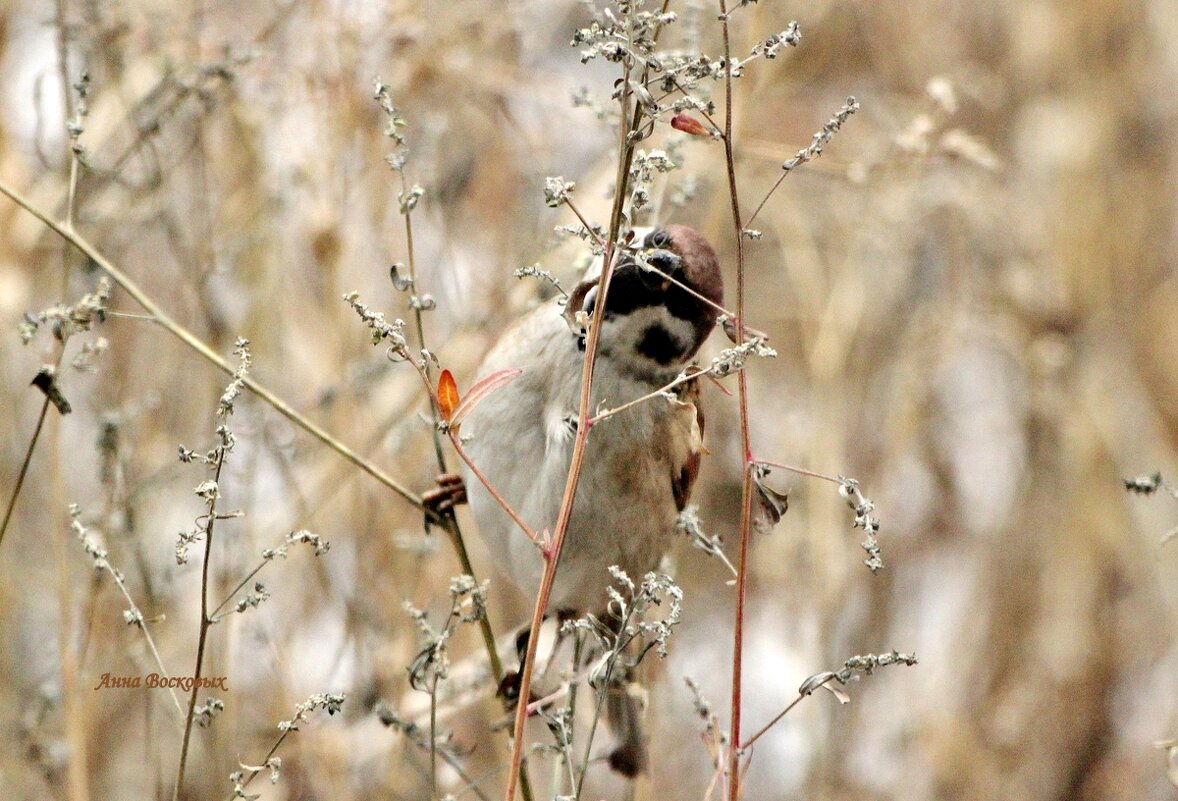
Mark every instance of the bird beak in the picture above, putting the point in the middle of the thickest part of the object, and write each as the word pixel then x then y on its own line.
pixel 664 261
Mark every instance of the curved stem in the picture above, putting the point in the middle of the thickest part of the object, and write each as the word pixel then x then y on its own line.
pixel 118 579
pixel 588 228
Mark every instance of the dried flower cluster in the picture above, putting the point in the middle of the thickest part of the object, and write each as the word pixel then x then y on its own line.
pixel 65 321
pixel 625 623
pixel 1148 485
pixel 382 330
pixel 849 491
pixel 468 604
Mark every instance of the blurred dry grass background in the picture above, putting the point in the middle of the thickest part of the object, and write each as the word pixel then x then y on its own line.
pixel 974 300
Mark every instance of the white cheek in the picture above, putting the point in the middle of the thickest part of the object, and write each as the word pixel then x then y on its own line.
pixel 682 330
pixel 622 334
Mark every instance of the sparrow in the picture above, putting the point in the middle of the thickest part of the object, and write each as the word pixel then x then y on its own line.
pixel 640 464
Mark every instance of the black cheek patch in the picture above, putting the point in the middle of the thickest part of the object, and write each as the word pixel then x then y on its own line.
pixel 661 345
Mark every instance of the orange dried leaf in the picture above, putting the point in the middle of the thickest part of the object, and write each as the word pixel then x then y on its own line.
pixel 447 395
pixel 689 125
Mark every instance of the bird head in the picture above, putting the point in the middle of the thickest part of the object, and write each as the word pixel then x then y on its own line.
pixel 659 308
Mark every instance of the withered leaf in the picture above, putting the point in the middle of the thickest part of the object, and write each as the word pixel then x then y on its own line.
pixel 768 504
pixel 46 381
pixel 447 395
pixel 689 125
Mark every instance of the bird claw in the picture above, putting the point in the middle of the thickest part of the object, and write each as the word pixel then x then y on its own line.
pixel 450 492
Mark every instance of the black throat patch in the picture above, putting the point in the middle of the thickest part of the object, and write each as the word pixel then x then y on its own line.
pixel 661 345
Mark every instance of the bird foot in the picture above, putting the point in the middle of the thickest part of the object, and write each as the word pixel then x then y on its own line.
pixel 450 492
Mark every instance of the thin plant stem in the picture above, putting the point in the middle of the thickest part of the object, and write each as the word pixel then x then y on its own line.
pixel 24 466
pixel 566 752
pixel 253 773
pixel 147 635
pixel 694 293
pixel 472 784
pixel 768 194
pixel 486 482
pixel 419 325
pixel 682 379
pixel 552 557
pixel 600 695
pixel 72 194
pixel 571 705
pixel 215 615
pixel 484 625
pixel 588 228
pixel 781 714
pixel 433 738
pixel 196 344
pixel 743 402
pixel 24 469
pixel 450 524
pixel 552 553
pixel 801 471
pixel 810 152
pixel 130 316
pixel 449 520
pixel 77 786
pixel 205 622
pixel 616 648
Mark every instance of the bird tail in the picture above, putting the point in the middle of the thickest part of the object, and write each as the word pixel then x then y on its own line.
pixel 624 703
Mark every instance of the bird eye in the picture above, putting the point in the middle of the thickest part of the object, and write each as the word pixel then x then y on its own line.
pixel 658 239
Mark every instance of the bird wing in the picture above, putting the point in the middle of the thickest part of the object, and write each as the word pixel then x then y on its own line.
pixel 689 418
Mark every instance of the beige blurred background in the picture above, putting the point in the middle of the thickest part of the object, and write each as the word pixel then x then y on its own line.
pixel 972 293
